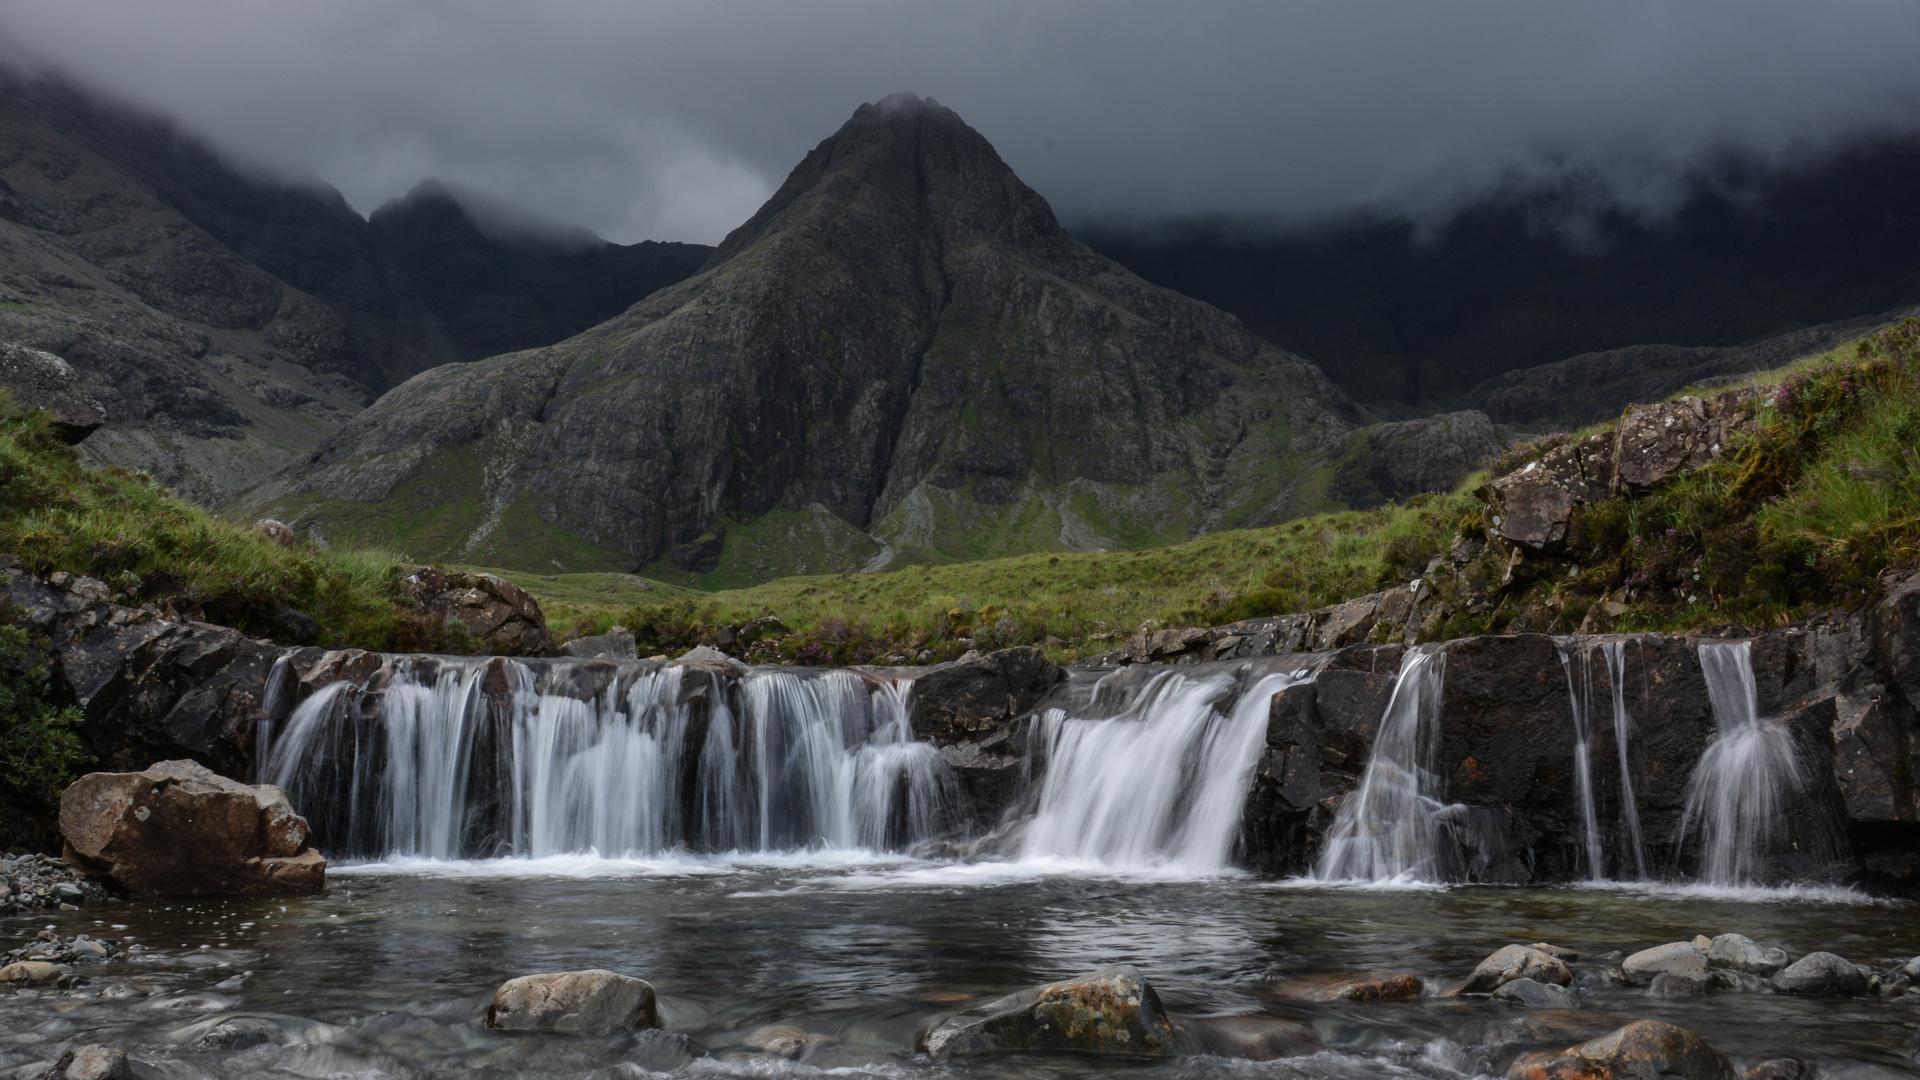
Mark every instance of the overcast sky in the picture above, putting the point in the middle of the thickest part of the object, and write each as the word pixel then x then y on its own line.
pixel 675 120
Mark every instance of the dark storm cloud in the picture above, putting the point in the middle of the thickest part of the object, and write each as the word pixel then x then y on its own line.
pixel 673 120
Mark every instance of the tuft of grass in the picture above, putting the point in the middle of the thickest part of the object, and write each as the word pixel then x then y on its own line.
pixel 130 532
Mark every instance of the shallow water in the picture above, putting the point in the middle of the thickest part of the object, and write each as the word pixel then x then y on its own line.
pixel 390 971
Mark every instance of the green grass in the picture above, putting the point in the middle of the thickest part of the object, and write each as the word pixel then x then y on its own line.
pixel 128 531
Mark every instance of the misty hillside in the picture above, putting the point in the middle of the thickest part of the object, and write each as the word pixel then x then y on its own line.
pixel 1408 323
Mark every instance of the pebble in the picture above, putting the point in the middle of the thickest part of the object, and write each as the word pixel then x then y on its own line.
pixel 32 882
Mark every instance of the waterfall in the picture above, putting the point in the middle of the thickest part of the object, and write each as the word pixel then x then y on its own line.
pixel 463 759
pixel 1748 788
pixel 1389 829
pixel 1615 653
pixel 1162 784
pixel 1580 699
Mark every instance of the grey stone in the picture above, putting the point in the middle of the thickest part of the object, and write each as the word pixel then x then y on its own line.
pixel 1678 958
pixel 1512 962
pixel 1737 952
pixel 573 1002
pixel 1737 981
pixel 41 380
pixel 93 1062
pixel 973 698
pixel 1821 973
pixel 1669 984
pixel 1113 1011
pixel 704 654
pixel 1537 995
pixel 618 645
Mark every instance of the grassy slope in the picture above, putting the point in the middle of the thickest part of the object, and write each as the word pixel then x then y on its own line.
pixel 1798 516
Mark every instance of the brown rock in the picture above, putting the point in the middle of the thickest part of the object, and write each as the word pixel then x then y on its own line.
pixel 1532 505
pixel 1391 988
pixel 31 971
pixel 1110 1011
pixel 501 614
pixel 1643 1050
pixel 277 531
pixel 574 1002
pixel 92 1063
pixel 178 828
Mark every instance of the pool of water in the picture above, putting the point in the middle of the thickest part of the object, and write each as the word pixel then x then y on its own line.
pixel 389 973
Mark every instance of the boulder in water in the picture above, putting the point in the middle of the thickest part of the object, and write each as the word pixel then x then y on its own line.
pixel 1391 988
pixel 1737 952
pixel 93 1062
pixel 1669 984
pixel 1821 973
pixel 180 829
pixel 971 699
pixel 1515 962
pixel 1643 1050
pixel 31 971
pixel 1110 1011
pixel 1533 994
pixel 1678 958
pixel 573 1002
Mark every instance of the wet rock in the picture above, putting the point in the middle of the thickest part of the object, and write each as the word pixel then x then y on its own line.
pixel 31 882
pixel 703 654
pixel 293 626
pixel 1782 1069
pixel 1668 984
pixel 41 380
pixel 971 700
pixel 502 615
pixel 1111 1011
pixel 1515 962
pixel 573 1002
pixel 1537 995
pixel 1737 952
pixel 1555 951
pixel 1391 988
pixel 1643 1050
pixel 1658 440
pixel 1520 1029
pixel 53 949
pixel 277 531
pixel 1735 981
pixel 92 1062
pixel 30 972
pixel 178 828
pixel 241 1033
pixel 616 644
pixel 787 1041
pixel 1821 973
pixel 1679 958
pixel 1254 1038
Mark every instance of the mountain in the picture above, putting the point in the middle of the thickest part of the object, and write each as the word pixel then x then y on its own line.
pixel 229 323
pixel 1407 319
pixel 901 356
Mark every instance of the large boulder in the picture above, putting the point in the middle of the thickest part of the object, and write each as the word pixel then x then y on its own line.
pixel 502 615
pixel 1679 958
pixel 1512 962
pixel 1110 1011
pixel 1532 505
pixel 1821 973
pixel 1738 952
pixel 1658 440
pixel 1643 1050
pixel 573 1002
pixel 616 644
pixel 180 829
pixel 972 699
pixel 41 380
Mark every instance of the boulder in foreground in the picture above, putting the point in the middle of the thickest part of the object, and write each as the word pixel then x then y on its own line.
pixel 1643 1050
pixel 180 829
pixel 573 1003
pixel 1110 1011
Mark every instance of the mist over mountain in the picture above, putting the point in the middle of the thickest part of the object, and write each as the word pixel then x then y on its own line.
pixel 900 356
pixel 1407 316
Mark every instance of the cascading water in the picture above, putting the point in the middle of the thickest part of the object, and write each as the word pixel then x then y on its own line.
pixel 1580 698
pixel 1580 673
pixel 1389 829
pixel 1615 653
pixel 454 759
pixel 1748 784
pixel 1163 783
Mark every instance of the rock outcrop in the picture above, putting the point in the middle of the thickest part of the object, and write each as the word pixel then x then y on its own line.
pixel 502 616
pixel 41 380
pixel 180 829
pixel 1411 457
pixel 574 1003
pixel 1110 1011
pixel 900 353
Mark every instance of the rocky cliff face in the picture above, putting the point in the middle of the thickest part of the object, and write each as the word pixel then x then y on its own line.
pixel 901 356
pixel 228 324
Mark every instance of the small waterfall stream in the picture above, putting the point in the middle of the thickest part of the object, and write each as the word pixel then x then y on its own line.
pixel 1577 659
pixel 1390 829
pixel 1163 783
pixel 473 759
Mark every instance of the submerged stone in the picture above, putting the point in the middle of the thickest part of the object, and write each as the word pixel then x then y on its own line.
pixel 1254 1038
pixel 1391 988
pixel 1110 1011
pixel 1537 995
pixel 573 1002
pixel 1643 1050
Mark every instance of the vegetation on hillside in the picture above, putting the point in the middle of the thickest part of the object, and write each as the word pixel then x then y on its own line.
pixel 40 748
pixel 1801 513
pixel 147 544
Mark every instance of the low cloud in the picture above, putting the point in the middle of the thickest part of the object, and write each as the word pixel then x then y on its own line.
pixel 674 120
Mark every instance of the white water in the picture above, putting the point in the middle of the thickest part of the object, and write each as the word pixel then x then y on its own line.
pixel 1389 829
pixel 444 770
pixel 1580 681
pixel 1740 790
pixel 1616 656
pixel 1162 785
pixel 1580 698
